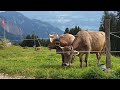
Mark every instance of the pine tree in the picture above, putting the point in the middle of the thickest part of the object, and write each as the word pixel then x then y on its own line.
pixel 101 28
pixel 66 30
pixel 75 30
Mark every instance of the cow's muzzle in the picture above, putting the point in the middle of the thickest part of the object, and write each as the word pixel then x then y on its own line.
pixel 65 64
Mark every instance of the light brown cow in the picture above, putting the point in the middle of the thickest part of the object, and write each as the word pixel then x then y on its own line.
pixel 85 42
pixel 62 40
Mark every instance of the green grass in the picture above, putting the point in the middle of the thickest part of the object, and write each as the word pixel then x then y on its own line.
pixel 46 64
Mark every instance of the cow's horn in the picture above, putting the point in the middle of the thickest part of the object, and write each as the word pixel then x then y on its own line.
pixel 76 52
pixel 50 35
pixel 57 36
pixel 59 46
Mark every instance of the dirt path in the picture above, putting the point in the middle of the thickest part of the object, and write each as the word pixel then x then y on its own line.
pixel 6 76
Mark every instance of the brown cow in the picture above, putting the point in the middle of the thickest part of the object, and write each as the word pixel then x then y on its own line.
pixel 62 40
pixel 85 42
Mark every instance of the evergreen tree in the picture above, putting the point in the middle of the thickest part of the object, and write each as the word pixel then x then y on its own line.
pixel 29 41
pixel 101 28
pixel 66 30
pixel 73 31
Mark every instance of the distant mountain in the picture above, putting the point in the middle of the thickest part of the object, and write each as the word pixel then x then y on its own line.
pixel 89 20
pixel 18 26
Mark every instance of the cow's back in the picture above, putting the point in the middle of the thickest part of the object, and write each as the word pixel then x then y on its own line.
pixel 66 39
pixel 86 40
pixel 97 40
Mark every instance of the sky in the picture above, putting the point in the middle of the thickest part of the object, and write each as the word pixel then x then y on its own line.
pixel 89 20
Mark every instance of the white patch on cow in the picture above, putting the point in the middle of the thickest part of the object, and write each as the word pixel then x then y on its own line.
pixel 51 39
pixel 57 36
pixel 67 64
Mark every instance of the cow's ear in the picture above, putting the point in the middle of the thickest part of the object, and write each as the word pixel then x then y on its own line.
pixel 75 52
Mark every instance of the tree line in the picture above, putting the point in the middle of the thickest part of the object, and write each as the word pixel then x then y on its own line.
pixel 31 40
pixel 72 31
pixel 114 29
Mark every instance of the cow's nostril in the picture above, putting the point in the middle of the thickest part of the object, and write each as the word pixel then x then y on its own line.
pixel 65 64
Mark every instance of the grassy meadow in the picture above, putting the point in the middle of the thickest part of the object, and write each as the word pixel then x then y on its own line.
pixel 46 64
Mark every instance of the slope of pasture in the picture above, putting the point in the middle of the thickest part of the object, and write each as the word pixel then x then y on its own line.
pixel 46 64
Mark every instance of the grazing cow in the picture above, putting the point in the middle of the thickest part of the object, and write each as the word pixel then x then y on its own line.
pixel 85 42
pixel 62 40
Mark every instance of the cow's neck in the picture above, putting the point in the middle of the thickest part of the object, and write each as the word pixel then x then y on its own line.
pixel 76 43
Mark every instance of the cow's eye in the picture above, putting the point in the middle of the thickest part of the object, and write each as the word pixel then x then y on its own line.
pixel 71 48
pixel 57 43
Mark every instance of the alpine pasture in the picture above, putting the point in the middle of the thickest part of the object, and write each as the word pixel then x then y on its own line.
pixel 46 64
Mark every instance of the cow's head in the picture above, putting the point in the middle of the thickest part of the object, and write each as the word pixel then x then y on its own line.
pixel 68 54
pixel 54 41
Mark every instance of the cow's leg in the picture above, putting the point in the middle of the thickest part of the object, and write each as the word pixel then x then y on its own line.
pixel 86 58
pixel 98 55
pixel 80 56
pixel 87 48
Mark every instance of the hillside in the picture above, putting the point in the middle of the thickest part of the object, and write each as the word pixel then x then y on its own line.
pixel 18 26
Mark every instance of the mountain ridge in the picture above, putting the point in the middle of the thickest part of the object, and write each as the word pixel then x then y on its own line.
pixel 19 25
